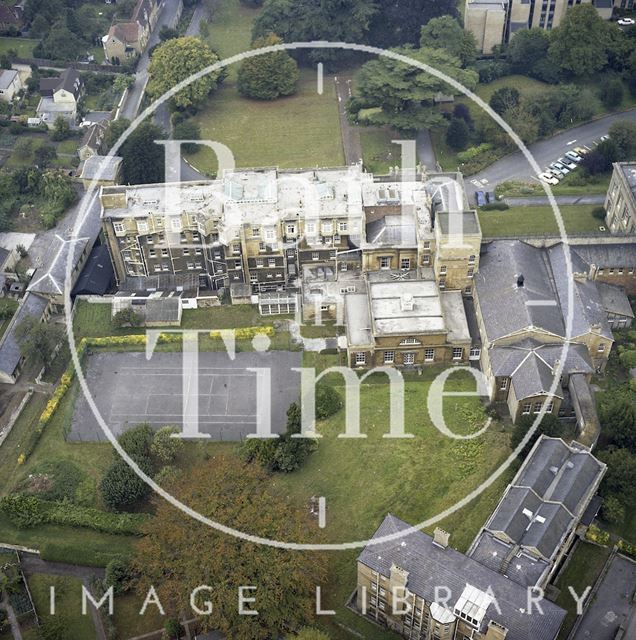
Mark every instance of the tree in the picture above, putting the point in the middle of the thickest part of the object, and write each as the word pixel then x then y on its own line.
pixel 463 112
pixel 446 33
pixel 579 44
pixel 623 133
pixel 621 473
pixel 61 129
pixel 164 447
pixel 308 633
pixel 126 318
pixel 237 495
pixel 137 443
pixel 457 134
pixel 613 510
pixel 307 20
pixel 504 98
pixel 611 92
pixel 118 575
pixel 122 82
pixel 115 130
pixel 176 60
pixel 38 340
pixel 600 159
pixel 391 92
pixel 187 130
pixel 142 159
pixel 398 22
pixel 618 417
pixel 527 50
pixel 172 630
pixel 550 425
pixel 167 33
pixel 121 487
pixel 268 76
pixel 60 43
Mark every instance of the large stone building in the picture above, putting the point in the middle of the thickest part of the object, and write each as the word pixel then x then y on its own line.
pixel 522 301
pixel 262 227
pixel 421 588
pixel 494 22
pixel 620 202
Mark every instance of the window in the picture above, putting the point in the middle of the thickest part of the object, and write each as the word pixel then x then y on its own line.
pixel 426 260
pixel 475 352
pixel 427 246
pixel 159 222
pixel 315 255
pixel 271 262
pixel 409 341
pixel 261 246
pixel 195 236
pixel 504 384
pixel 197 252
pixel 119 227
pixel 405 264
pixel 236 248
pixel 152 253
pixel 254 279
pixel 526 408
pixel 291 229
pixel 142 227
pixel 458 353
pixel 471 259
pixel 324 307
pixel 190 265
pixel 385 262
pixel 389 357
pixel 310 228
pixel 549 406
pixel 442 270
pixel 157 267
pixel 470 273
pixel 165 266
pixel 256 232
pixel 164 253
pixel 537 406
pixel 601 347
pixel 442 283
pixel 175 224
pixel 327 228
pixel 361 358
pixel 270 234
pixel 409 358
pixel 429 355
pixel 342 226
pixel 186 252
pixel 468 291
pixel 259 262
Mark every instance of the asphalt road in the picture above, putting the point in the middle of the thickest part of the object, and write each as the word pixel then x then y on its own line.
pixel 515 166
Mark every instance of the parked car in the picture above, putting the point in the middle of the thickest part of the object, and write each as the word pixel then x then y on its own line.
pixel 582 151
pixel 570 164
pixel 480 198
pixel 549 178
pixel 491 197
pixel 626 22
pixel 573 156
pixel 557 166
pixel 604 138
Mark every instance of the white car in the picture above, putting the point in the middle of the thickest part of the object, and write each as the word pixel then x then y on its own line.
pixel 582 151
pixel 557 166
pixel 549 178
pixel 626 22
pixel 573 156
pixel 570 164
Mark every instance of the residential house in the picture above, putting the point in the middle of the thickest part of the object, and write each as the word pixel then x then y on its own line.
pixel 92 143
pixel 419 587
pixel 611 262
pixel 10 84
pixel 60 97
pixel 523 308
pixel 128 39
pixel 103 170
pixel 11 19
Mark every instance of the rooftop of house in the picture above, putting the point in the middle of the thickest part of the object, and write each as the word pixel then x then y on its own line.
pixel 69 80
pixel 7 76
pixel 161 283
pixel 430 567
pixel 458 224
pixel 97 275
pixel 607 256
pixel 628 172
pixel 531 284
pixel 101 168
pixel 539 509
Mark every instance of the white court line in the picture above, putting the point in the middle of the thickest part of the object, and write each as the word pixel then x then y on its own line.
pixel 322 512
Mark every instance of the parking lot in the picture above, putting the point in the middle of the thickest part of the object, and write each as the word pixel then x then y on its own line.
pixel 128 390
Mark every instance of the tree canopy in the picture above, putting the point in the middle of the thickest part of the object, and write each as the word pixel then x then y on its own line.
pixel 446 33
pixel 143 160
pixel 268 76
pixel 176 60
pixel 235 494
pixel 391 92
pixel 38 340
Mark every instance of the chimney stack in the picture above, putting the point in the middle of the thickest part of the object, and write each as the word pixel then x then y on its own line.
pixel 440 537
pixel 520 280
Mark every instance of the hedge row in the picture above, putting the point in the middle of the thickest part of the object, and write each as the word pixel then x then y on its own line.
pixel 627 548
pixel 594 534
pixel 71 554
pixel 29 511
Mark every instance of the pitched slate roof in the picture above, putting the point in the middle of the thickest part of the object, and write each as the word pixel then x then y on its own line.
pixel 69 80
pixel 98 274
pixel 430 566
pixel 608 255
pixel 614 300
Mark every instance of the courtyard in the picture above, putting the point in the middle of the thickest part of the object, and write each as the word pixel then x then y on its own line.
pixel 130 389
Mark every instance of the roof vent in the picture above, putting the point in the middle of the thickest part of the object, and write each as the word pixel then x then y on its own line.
pixel 554 470
pixel 407 302
pixel 520 280
pixel 440 538
pixel 569 464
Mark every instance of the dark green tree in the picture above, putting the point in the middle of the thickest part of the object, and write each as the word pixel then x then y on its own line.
pixel 121 488
pixel 137 443
pixel 621 473
pixel 38 340
pixel 504 98
pixel 600 159
pixel 623 133
pixel 187 130
pixel 618 417
pixel 611 92
pixel 457 134
pixel 268 76
pixel 115 130
pixel 527 50
pixel 143 160
pixel 446 33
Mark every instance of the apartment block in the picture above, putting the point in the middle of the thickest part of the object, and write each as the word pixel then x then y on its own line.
pixel 620 202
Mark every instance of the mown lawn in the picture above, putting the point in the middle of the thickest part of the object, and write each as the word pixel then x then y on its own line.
pixel 538 220
pixel 379 154
pixel 231 28
pixel 23 46
pixel 68 604
pixel 582 571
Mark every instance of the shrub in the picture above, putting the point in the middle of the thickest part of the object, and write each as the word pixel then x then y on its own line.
pixel 23 511
pixel 328 401
pixel 121 487
pixel 137 442
pixel 164 447
pixel 628 359
pixel 172 630
pixel 594 534
pixel 118 575
pixel 495 206
pixel 627 548
pixel 613 510
pixel 599 213
pixel 73 554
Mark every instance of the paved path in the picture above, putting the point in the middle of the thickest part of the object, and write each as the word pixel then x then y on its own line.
pixel 13 621
pixel 425 150
pixel 351 143
pixel 561 200
pixel 515 166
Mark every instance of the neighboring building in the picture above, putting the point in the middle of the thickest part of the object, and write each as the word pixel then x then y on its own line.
pixel 128 39
pixel 404 322
pixel 535 523
pixel 60 97
pixel 521 304
pixel 156 309
pixel 11 19
pixel 97 276
pixel 11 360
pixel 10 84
pixel 92 143
pixel 451 596
pixel 611 263
pixel 494 22
pixel 620 202
pixel 261 227
pixel 105 170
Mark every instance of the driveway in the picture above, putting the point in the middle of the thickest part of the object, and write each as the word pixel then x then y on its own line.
pixel 516 167
pixel 129 389
pixel 168 17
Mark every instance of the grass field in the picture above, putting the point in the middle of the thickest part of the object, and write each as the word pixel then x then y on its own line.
pixel 517 189
pixel 582 571
pixel 231 29
pixel 539 220
pixel 23 46
pixel 68 601
pixel 379 154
